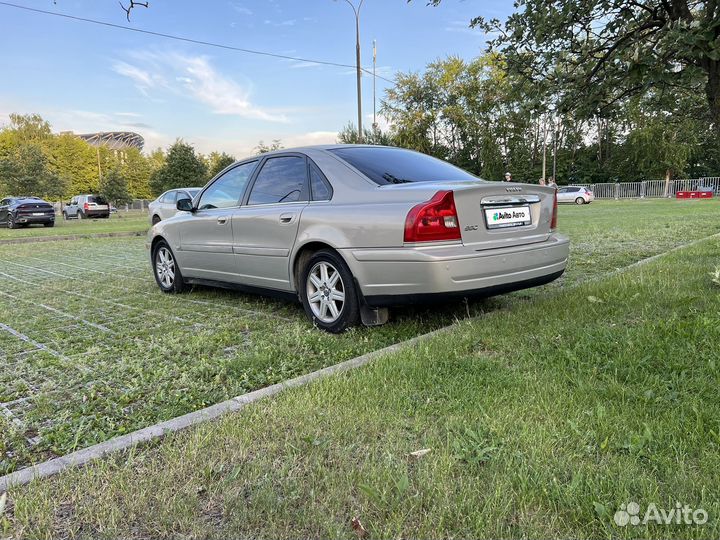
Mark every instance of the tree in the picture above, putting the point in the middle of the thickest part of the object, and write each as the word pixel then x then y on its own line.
pixel 114 187
pixel 349 135
pixel 136 169
pixel 27 173
pixel 596 53
pixel 262 148
pixel 182 168
pixel 217 162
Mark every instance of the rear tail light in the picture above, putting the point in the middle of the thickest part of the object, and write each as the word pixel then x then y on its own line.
pixel 433 220
pixel 86 206
pixel 553 220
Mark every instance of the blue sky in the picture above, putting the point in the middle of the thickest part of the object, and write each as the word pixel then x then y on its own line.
pixel 83 77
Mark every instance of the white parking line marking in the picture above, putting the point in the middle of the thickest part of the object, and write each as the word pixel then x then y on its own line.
pixel 31 341
pixel 61 313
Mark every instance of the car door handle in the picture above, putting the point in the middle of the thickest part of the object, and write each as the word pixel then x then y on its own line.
pixel 222 220
pixel 286 218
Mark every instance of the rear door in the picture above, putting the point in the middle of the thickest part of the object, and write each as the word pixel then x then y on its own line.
pixel 206 237
pixel 266 226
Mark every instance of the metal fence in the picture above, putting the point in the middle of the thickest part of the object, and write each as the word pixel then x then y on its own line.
pixel 136 204
pixel 651 188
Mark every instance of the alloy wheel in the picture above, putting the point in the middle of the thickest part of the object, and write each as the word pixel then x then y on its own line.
pixel 325 292
pixel 165 267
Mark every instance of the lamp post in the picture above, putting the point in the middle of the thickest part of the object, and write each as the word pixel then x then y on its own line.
pixel 356 11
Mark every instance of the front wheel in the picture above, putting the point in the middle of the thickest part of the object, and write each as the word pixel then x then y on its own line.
pixel 579 200
pixel 328 292
pixel 11 222
pixel 165 268
pixel 155 220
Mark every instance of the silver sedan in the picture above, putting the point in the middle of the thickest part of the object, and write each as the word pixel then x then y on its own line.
pixel 351 230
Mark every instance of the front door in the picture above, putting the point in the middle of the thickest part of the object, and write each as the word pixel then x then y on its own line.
pixel 206 237
pixel 265 227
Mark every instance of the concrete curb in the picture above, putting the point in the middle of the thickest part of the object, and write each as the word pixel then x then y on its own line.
pixel 32 240
pixel 81 457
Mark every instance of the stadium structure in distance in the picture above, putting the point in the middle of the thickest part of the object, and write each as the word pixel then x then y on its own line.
pixel 114 140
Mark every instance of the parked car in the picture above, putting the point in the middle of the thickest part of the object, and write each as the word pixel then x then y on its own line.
pixel 164 206
pixel 87 206
pixel 352 230
pixel 575 194
pixel 24 211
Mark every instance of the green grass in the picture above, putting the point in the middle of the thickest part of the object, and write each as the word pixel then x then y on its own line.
pixel 101 352
pixel 541 421
pixel 133 221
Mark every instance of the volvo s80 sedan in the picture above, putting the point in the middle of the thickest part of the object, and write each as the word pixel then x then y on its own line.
pixel 351 230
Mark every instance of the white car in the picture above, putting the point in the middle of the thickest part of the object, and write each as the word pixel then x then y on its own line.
pixel 164 207
pixel 575 194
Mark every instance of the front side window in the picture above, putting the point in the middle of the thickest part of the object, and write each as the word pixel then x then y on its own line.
pixel 385 165
pixel 226 191
pixel 281 180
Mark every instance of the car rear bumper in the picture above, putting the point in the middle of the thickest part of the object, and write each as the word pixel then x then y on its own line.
pixel 21 218
pixel 397 276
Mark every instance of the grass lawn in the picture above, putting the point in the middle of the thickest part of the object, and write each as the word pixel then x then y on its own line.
pixel 132 221
pixel 541 420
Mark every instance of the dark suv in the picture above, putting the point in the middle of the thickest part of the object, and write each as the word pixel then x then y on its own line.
pixel 23 211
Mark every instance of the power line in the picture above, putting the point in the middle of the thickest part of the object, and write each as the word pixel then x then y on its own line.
pixel 188 40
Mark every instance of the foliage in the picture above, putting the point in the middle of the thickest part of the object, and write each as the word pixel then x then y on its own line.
pixel 216 162
pixel 182 168
pixel 262 148
pixel 349 135
pixel 114 187
pixel 27 173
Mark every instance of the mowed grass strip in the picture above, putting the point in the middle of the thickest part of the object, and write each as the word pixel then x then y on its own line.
pixel 127 356
pixel 540 422
pixel 132 221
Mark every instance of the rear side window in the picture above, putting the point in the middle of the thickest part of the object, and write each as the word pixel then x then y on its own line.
pixel 169 197
pixel 385 165
pixel 281 180
pixel 319 186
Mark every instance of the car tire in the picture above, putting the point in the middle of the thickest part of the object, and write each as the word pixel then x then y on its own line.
pixel 328 292
pixel 65 216
pixel 49 224
pixel 166 270
pixel 155 219
pixel 579 200
pixel 80 215
pixel 11 222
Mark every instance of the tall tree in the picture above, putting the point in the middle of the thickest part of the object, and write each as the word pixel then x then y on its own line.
pixel 595 53
pixel 27 173
pixel 262 148
pixel 182 168
pixel 114 187
pixel 217 162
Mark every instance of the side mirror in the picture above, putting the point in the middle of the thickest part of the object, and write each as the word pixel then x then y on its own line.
pixel 185 205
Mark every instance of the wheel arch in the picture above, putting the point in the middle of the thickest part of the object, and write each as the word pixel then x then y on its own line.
pixel 302 254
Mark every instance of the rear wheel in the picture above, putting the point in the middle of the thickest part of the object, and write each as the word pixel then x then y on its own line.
pixel 80 215
pixel 579 200
pixel 165 268
pixel 328 292
pixel 155 219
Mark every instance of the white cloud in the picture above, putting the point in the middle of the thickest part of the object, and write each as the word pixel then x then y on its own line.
pixel 288 22
pixel 196 78
pixel 239 8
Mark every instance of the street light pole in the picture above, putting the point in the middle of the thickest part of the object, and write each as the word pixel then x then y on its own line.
pixel 356 11
pixel 374 126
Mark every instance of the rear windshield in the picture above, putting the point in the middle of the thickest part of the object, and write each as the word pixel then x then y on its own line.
pixel 398 166
pixel 97 199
